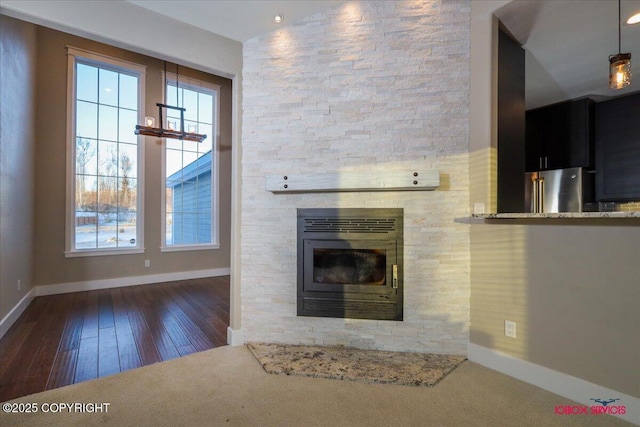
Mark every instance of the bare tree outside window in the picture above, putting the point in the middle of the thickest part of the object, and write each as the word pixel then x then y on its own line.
pixel 125 191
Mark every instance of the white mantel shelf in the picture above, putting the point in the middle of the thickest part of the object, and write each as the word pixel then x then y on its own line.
pixel 558 215
pixel 410 180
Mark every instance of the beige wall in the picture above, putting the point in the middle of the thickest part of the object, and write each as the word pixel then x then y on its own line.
pixel 17 142
pixel 573 291
pixel 51 265
pixel 572 286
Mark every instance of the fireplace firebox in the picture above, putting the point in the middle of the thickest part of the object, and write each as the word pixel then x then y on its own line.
pixel 350 263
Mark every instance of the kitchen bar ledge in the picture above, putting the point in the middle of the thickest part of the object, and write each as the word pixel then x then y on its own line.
pixel 634 214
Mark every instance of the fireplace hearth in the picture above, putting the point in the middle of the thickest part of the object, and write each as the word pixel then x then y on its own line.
pixel 350 263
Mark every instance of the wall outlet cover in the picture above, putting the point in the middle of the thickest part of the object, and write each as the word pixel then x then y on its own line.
pixel 510 328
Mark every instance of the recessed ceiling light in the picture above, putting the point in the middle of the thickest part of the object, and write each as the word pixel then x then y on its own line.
pixel 634 19
pixel 278 18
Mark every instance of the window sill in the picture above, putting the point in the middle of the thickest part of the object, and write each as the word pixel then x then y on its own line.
pixel 103 252
pixel 178 248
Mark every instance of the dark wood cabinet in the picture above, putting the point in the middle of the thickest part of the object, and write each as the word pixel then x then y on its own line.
pixel 618 149
pixel 538 131
pixel 560 136
pixel 511 124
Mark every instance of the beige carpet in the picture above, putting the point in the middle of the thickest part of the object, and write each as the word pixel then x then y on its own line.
pixel 227 386
pixel 352 364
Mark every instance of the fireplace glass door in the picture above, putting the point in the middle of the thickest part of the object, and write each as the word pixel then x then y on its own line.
pixel 362 266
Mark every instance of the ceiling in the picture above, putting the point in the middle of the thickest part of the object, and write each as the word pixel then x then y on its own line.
pixel 239 20
pixel 567 42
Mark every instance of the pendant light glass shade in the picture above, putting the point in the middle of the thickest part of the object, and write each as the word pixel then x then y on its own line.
pixel 619 64
pixel 619 70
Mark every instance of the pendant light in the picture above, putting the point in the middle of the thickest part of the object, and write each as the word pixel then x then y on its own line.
pixel 172 130
pixel 619 64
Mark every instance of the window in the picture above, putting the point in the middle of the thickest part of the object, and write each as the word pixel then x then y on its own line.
pixel 190 168
pixel 104 168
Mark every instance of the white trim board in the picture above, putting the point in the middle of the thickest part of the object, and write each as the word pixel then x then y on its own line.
pixel 234 337
pixel 15 312
pixel 118 282
pixel 556 382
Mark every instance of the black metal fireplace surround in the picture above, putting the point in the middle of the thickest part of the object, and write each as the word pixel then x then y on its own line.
pixel 350 263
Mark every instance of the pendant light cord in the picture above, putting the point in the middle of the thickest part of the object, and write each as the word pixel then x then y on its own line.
pixel 164 89
pixel 619 32
pixel 177 82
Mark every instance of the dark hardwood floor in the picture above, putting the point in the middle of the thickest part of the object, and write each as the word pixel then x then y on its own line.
pixel 70 338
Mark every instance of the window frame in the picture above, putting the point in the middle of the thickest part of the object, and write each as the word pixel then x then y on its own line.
pixel 114 64
pixel 184 82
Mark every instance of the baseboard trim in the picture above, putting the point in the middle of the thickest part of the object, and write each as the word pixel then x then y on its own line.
pixel 234 337
pixel 15 312
pixel 118 282
pixel 556 382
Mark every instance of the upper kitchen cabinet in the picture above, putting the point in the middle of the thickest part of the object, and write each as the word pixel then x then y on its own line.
pixel 560 136
pixel 618 149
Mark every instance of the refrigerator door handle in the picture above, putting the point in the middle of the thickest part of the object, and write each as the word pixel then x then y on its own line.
pixel 540 206
pixel 534 196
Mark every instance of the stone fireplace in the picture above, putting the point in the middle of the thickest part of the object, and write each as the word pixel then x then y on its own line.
pixel 350 263
pixel 368 88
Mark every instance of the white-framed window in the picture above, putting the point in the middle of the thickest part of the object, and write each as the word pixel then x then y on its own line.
pixel 190 169
pixel 105 99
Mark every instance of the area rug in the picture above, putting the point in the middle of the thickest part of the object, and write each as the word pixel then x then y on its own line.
pixel 343 363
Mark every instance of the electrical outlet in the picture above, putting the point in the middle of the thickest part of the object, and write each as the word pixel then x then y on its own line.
pixel 19 284
pixel 147 263
pixel 510 328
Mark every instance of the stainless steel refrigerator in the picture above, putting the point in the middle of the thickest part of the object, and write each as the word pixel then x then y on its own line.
pixel 558 190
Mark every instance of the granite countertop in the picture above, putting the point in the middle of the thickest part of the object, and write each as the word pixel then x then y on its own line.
pixel 635 214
